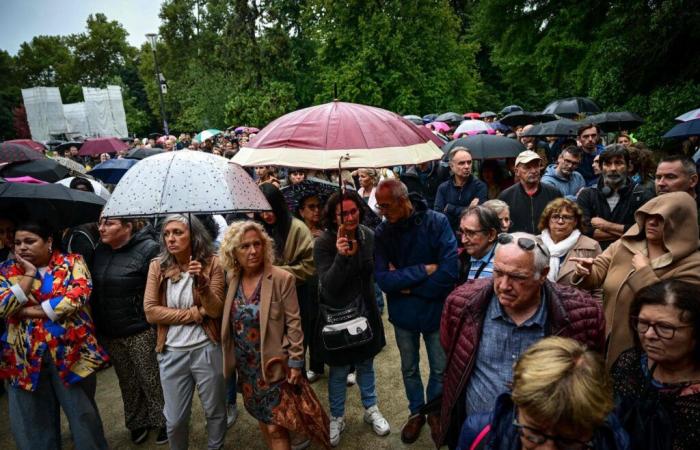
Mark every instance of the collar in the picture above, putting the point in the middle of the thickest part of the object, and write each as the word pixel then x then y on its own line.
pixel 466 182
pixel 496 312
pixel 487 256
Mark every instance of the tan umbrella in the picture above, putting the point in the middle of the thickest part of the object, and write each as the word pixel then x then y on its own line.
pixel 69 164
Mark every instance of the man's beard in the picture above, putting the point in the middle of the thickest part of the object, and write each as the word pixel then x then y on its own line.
pixel 614 180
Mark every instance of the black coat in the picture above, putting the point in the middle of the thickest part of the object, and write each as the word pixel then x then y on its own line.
pixel 342 279
pixel 525 211
pixel 119 280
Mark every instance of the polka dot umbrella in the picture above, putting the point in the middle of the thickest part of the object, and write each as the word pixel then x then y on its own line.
pixel 184 182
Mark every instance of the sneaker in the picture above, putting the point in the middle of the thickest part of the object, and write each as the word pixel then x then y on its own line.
pixel 312 376
pixel 231 414
pixel 377 420
pixel 352 379
pixel 162 437
pixel 411 429
pixel 337 427
pixel 139 435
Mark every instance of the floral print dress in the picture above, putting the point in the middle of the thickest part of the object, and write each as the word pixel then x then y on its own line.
pixel 260 398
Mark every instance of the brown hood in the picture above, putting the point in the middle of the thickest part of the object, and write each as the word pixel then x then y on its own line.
pixel 680 223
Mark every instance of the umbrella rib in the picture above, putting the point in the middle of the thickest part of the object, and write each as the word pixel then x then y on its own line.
pixel 165 180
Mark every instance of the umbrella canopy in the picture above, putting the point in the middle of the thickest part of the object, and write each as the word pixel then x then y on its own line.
pixel 162 139
pixel 450 117
pixel 206 134
pixel 415 119
pixel 10 152
pixel 472 126
pixel 69 164
pixel 294 194
pixel 487 114
pixel 112 170
pixel 42 169
pixel 96 185
pixel 509 109
pixel 60 206
pixel 561 127
pixel 472 115
pixel 487 146
pixel 690 115
pixel 572 106
pixel 185 181
pixel 98 146
pixel 498 126
pixel 440 127
pixel 522 118
pixel 34 145
pixel 684 130
pixel 63 146
pixel 30 180
pixel 319 136
pixel 429 118
pixel 141 153
pixel 429 135
pixel 615 121
pixel 248 130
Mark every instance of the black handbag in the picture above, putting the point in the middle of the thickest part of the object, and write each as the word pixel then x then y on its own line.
pixel 344 328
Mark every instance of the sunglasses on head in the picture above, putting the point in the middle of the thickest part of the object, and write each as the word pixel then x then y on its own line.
pixel 523 242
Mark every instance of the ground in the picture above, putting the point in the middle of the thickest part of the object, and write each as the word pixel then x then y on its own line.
pixel 245 433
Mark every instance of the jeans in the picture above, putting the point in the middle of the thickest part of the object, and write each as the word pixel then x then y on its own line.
pixel 409 349
pixel 379 297
pixel 35 416
pixel 337 386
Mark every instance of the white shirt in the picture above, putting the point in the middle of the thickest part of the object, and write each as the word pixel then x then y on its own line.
pixel 179 296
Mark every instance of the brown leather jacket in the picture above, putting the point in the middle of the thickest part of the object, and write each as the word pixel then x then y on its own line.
pixel 208 293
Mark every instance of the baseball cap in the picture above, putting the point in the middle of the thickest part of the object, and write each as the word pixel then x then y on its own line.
pixel 526 156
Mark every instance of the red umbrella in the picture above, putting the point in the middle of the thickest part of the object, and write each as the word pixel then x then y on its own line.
pixel 34 145
pixel 98 146
pixel 319 136
pixel 472 115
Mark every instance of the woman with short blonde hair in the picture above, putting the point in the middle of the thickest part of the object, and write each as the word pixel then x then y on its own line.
pixel 561 395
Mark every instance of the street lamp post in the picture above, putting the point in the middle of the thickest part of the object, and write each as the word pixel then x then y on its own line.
pixel 153 39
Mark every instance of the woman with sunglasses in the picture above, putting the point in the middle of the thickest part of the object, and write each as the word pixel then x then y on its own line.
pixel 664 364
pixel 561 398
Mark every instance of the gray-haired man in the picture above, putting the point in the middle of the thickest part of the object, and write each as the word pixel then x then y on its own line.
pixel 488 323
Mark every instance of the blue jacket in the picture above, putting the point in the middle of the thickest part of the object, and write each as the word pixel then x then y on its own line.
pixel 504 436
pixel 569 187
pixel 451 200
pixel 408 245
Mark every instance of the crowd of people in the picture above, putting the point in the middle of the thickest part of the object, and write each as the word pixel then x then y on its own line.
pixel 555 294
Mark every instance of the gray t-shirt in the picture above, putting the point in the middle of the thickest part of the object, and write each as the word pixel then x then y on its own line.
pixel 179 295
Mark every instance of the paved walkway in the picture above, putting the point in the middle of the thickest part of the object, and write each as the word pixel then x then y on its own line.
pixel 245 433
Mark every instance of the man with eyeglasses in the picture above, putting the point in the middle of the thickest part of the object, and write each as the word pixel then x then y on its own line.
pixel 488 323
pixel 528 197
pixel 563 175
pixel 478 229
pixel 415 254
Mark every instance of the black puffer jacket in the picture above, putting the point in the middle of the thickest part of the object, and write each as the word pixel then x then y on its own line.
pixel 119 280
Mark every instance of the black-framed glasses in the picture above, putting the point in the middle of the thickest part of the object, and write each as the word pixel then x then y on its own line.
pixel 562 217
pixel 537 437
pixel 662 330
pixel 523 242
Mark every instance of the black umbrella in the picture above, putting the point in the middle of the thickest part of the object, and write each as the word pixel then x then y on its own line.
pixel 487 146
pixel 572 106
pixel 13 153
pixel 487 114
pixel 450 117
pixel 615 121
pixel 509 109
pixel 415 119
pixel 141 153
pixel 42 169
pixel 561 127
pixel 522 118
pixel 66 145
pixel 56 204
pixel 429 118
pixel 684 130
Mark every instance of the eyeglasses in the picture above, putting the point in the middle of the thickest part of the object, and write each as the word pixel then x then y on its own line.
pixel 471 234
pixel 561 218
pixel 347 212
pixel 538 437
pixel 523 242
pixel 662 330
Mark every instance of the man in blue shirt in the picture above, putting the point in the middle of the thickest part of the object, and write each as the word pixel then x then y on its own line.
pixel 563 175
pixel 478 229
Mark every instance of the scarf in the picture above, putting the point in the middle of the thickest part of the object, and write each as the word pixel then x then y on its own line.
pixel 558 250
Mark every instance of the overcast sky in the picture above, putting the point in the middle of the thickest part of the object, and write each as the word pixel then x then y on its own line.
pixel 21 20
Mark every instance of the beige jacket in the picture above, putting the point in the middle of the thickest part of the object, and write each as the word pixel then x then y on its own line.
pixel 298 253
pixel 280 325
pixel 620 281
pixel 585 247
pixel 209 293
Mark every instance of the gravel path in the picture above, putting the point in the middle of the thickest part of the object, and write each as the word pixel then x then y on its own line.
pixel 245 433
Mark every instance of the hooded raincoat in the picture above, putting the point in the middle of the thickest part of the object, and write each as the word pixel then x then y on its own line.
pixel 613 269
